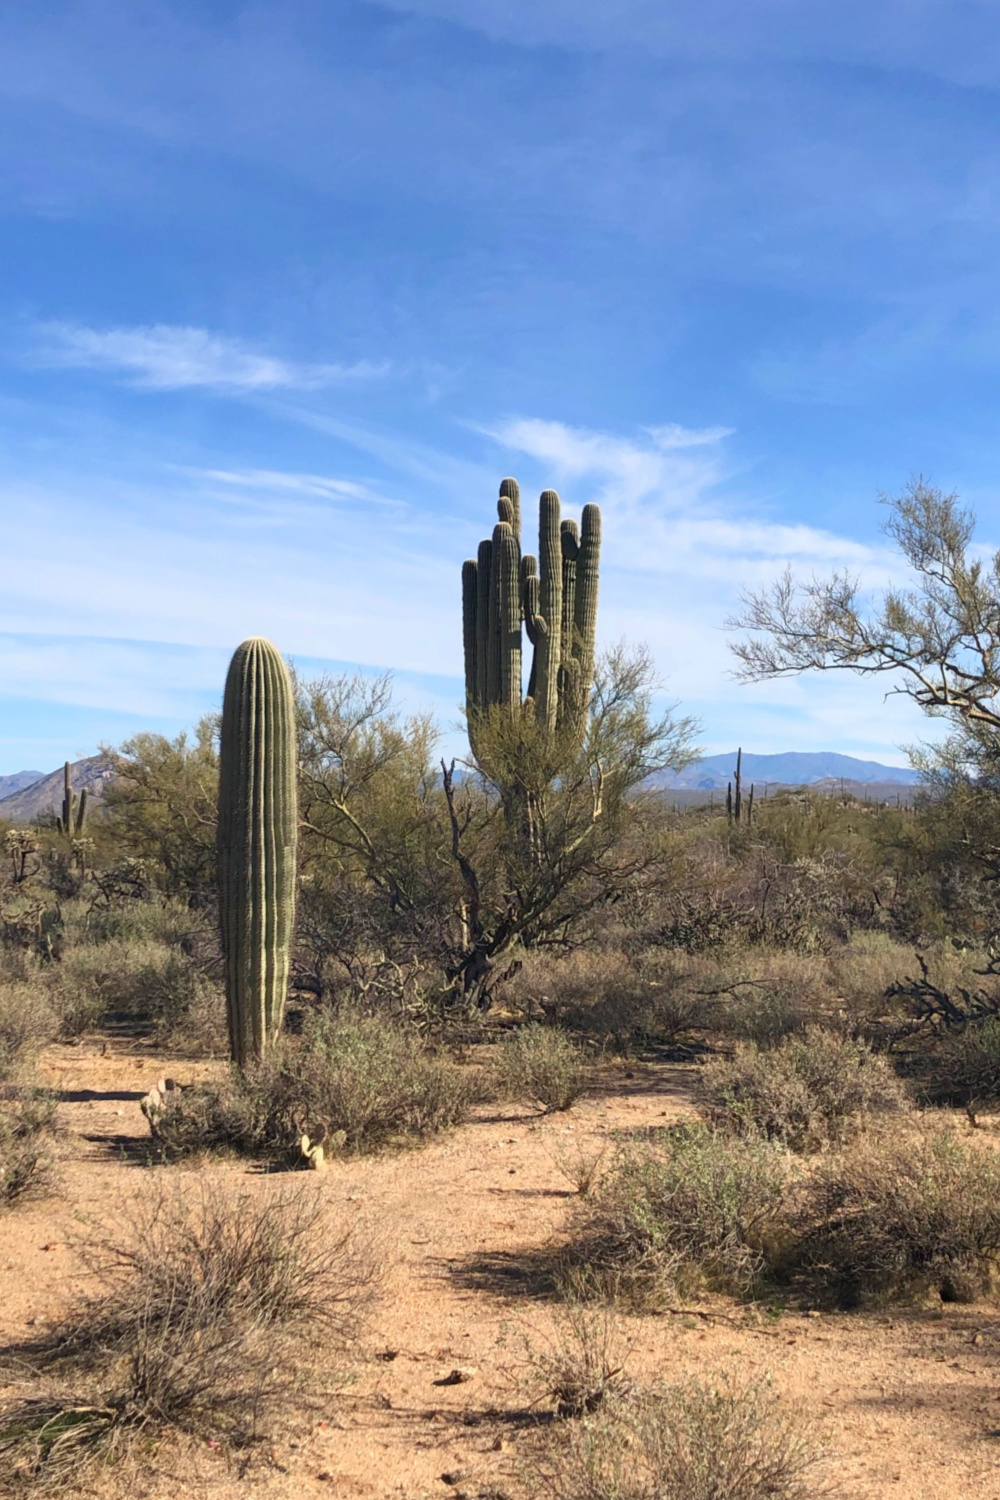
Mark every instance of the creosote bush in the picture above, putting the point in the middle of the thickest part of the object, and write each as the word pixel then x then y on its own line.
pixel 808 1092
pixel 696 1441
pixel 897 1216
pixel 693 1210
pixel 541 1064
pixel 352 1082
pixel 209 1314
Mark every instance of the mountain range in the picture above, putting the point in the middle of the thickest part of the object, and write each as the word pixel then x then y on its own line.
pixel 44 794
pixel 30 794
pixel 791 768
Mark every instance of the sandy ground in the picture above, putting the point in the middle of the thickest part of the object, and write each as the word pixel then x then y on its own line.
pixel 907 1404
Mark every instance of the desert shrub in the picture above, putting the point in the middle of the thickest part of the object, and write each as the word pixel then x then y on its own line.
pixel 541 1064
pixel 965 1068
pixel 581 1367
pixel 627 1001
pixel 26 1022
pixel 140 978
pixel 690 1442
pixel 26 1126
pixel 356 1082
pixel 693 1209
pixel 203 1321
pixel 896 1216
pixel 808 1092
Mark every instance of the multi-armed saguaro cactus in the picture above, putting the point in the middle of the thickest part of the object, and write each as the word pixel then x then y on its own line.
pixel 555 596
pixel 258 829
pixel 74 814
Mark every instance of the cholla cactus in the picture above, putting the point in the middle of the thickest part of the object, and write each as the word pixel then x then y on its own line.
pixel 258 829
pixel 555 597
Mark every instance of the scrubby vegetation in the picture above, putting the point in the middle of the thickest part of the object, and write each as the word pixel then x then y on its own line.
pixel 807 1092
pixel 349 1083
pixel 697 1441
pixel 209 1316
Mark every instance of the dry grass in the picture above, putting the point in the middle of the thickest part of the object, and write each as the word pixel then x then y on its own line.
pixel 26 1024
pixel 965 1069
pixel 582 1366
pixel 726 1441
pixel 209 1315
pixel 542 1065
pixel 808 1092
pixel 26 1132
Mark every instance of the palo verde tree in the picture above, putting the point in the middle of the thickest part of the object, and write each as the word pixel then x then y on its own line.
pixel 940 639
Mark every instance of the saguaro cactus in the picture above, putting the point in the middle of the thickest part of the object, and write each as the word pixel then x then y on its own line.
pixel 555 596
pixel 74 815
pixel 258 829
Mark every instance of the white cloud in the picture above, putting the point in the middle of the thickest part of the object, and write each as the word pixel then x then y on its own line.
pixel 318 486
pixel 660 499
pixel 163 356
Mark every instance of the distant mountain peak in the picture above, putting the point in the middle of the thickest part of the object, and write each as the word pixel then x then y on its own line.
pixel 44 793
pixel 789 768
pixel 17 781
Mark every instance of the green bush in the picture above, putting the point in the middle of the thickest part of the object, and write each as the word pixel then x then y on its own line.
pixel 897 1216
pixel 695 1209
pixel 696 1441
pixel 808 1092
pixel 354 1082
pixel 541 1064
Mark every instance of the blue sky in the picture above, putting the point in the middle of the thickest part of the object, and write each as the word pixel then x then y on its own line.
pixel 286 288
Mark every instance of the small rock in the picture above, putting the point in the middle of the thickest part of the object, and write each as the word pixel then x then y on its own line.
pixel 387 1355
pixel 814 1313
pixel 977 1338
pixel 325 1475
pixel 454 1476
pixel 457 1377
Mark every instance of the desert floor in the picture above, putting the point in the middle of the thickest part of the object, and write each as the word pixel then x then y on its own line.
pixel 907 1404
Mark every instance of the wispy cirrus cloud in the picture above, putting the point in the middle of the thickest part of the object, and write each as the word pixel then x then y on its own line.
pixel 662 496
pixel 170 357
pixel 311 486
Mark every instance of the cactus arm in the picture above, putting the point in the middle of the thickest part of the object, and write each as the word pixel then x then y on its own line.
pixel 484 569
pixel 470 599
pixel 258 828
pixel 81 814
pixel 570 540
pixel 510 490
pixel 550 561
pixel 508 555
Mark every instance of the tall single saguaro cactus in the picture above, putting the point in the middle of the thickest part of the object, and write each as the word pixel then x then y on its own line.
pixel 258 830
pixel 554 595
pixel 74 815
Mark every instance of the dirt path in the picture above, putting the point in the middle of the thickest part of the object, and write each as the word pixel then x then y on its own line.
pixel 908 1404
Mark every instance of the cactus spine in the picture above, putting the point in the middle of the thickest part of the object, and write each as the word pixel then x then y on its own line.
pixel 555 596
pixel 74 815
pixel 258 829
